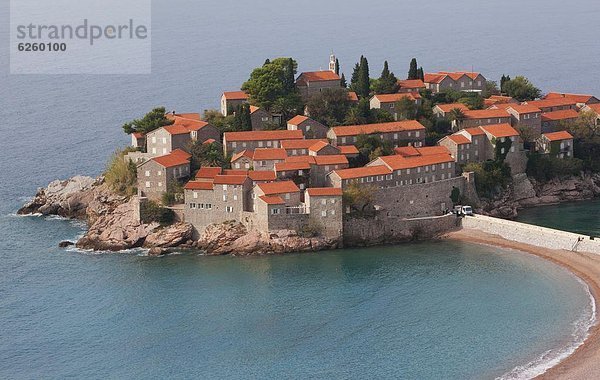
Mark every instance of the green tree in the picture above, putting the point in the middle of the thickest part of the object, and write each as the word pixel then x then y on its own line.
pixel 360 82
pixel 207 155
pixel 472 100
pixel 521 89
pixel 337 66
pixel 413 71
pixel 273 85
pixel 343 81
pixel 491 88
pixel 329 107
pixel 387 83
pixel 369 148
pixel 503 81
pixel 456 116
pixel 121 174
pixel 149 122
pixel 421 74
pixel 406 109
pixel 354 77
pixel 242 120
pixel 359 198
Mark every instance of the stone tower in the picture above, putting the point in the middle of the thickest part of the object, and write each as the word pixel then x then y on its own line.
pixel 332 62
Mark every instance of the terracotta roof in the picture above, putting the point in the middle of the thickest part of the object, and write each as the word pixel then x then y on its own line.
pixel 429 150
pixel 331 159
pixel 560 115
pixel 208 172
pixel 396 126
pixel 485 114
pixel 392 98
pixel 298 119
pixel 318 146
pixel 557 136
pixel 249 153
pixel 500 98
pixel 459 139
pixel 450 106
pixel 278 187
pixel 500 130
pixel 269 154
pixel 272 200
pixel 324 191
pixel 348 149
pixel 595 107
pixel 189 116
pixel 397 162
pixel 263 135
pixel 406 151
pixel 209 141
pixel 254 109
pixel 192 123
pixel 138 135
pixel 262 175
pixel 474 131
pixel 199 185
pixel 579 98
pixel 300 144
pixel 309 159
pixel 230 179
pixel 289 166
pixel 176 129
pixel 352 96
pixel 455 75
pixel 555 102
pixel 175 158
pixel 366 171
pixel 411 83
pixel 235 172
pixel 523 108
pixel 235 95
pixel 317 76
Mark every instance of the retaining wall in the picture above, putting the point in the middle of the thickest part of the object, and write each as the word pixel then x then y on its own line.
pixel 533 235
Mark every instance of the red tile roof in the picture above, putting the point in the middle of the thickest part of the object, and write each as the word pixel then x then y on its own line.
pixel 459 139
pixel 352 96
pixel 474 131
pixel 560 115
pixel 297 120
pixel 455 75
pixel 208 172
pixel 366 171
pixel 317 76
pixel 348 149
pixel 289 166
pixel 332 159
pixel 138 135
pixel 253 109
pixel 557 136
pixel 555 102
pixel 318 146
pixel 278 187
pixel 190 116
pixel 235 95
pixel 500 130
pixel 262 175
pixel 309 159
pixel 393 98
pixel 300 144
pixel 199 185
pixel 485 114
pixel 411 83
pixel 235 172
pixel 324 191
pixel 406 151
pixel 248 153
pixel 176 129
pixel 523 108
pixel 263 135
pixel 175 158
pixel 450 106
pixel 230 179
pixel 272 200
pixel 396 126
pixel 595 107
pixel 190 124
pixel 269 154
pixel 209 141
pixel 429 150
pixel 579 98
pixel 397 162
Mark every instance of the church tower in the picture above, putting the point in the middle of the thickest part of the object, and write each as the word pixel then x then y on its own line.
pixel 332 62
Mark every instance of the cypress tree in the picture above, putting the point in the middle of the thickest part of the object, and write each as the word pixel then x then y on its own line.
pixel 413 71
pixel 421 74
pixel 337 66
pixel 289 76
pixel 387 82
pixel 363 78
pixel 267 62
pixel 343 81
pixel 354 78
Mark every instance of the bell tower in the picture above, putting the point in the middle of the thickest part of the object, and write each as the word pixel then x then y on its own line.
pixel 332 62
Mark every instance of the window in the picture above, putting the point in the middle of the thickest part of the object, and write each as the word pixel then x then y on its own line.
pixel 237 165
pixel 407 171
pixel 275 211
pixel 269 143
pixel 164 140
pixel 332 212
pixel 147 173
pixel 228 209
pixel 192 205
pixel 287 196
pixel 332 201
pixel 147 184
pixel 195 194
pixel 234 144
pixel 208 206
pixel 247 165
pixel 243 145
pixel 324 213
pixel 260 144
pixel 159 173
pixel 417 133
pixel 343 140
pixel 294 152
pixel 307 128
pixel 265 118
pixel 153 139
pixel 235 197
pixel 153 150
pixel 323 202
pixel 388 177
pixel 160 184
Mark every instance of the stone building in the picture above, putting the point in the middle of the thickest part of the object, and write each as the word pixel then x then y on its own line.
pixel 499 99
pixel 300 147
pixel 458 81
pixel 231 100
pixel 410 85
pixel 180 135
pixel 443 110
pixel 234 142
pixel 558 144
pixel 525 116
pixel 311 83
pixel 553 104
pixel 158 175
pixel 259 118
pixel 477 118
pixel 312 129
pixel 556 120
pixel 389 102
pixel 581 99
pixel 398 133
pixel 325 210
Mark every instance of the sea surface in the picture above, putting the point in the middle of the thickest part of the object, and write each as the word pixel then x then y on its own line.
pixel 445 310
pixel 580 217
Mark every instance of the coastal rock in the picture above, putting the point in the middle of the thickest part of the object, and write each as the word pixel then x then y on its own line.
pixel 156 251
pixel 65 244
pixel 170 236
pixel 233 238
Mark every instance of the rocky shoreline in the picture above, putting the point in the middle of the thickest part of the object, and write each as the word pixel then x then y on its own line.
pixel 114 226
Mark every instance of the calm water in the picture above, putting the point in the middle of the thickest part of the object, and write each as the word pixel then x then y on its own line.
pixel 425 311
pixel 580 217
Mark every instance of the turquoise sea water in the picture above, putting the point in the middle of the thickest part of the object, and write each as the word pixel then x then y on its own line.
pixel 580 217
pixel 444 310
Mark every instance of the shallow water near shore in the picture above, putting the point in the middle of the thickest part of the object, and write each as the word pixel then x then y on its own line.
pixel 581 217
pixel 429 310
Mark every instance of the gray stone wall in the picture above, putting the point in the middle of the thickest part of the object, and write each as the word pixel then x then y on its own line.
pixel 327 213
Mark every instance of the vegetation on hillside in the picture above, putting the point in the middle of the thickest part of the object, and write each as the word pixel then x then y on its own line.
pixel 121 174
pixel 152 212
pixel 149 122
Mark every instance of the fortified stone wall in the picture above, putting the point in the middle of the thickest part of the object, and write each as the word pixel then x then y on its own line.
pixel 533 235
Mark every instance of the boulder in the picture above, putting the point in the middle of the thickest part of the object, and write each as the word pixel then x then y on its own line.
pixel 65 244
pixel 170 236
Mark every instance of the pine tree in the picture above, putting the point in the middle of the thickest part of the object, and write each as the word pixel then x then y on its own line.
pixel 343 81
pixel 337 66
pixel 413 71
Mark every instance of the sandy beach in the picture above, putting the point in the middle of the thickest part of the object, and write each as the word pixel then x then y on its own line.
pixel 584 363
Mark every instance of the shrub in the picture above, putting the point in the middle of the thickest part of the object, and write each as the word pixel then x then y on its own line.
pixel 152 212
pixel 121 174
pixel 490 177
pixel 546 167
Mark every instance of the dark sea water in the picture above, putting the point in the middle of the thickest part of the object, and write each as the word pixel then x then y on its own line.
pixel 415 311
pixel 580 217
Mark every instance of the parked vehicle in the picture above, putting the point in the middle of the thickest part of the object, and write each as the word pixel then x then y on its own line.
pixel 463 210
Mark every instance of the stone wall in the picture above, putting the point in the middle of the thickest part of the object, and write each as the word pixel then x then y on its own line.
pixel 534 235
pixel 381 230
